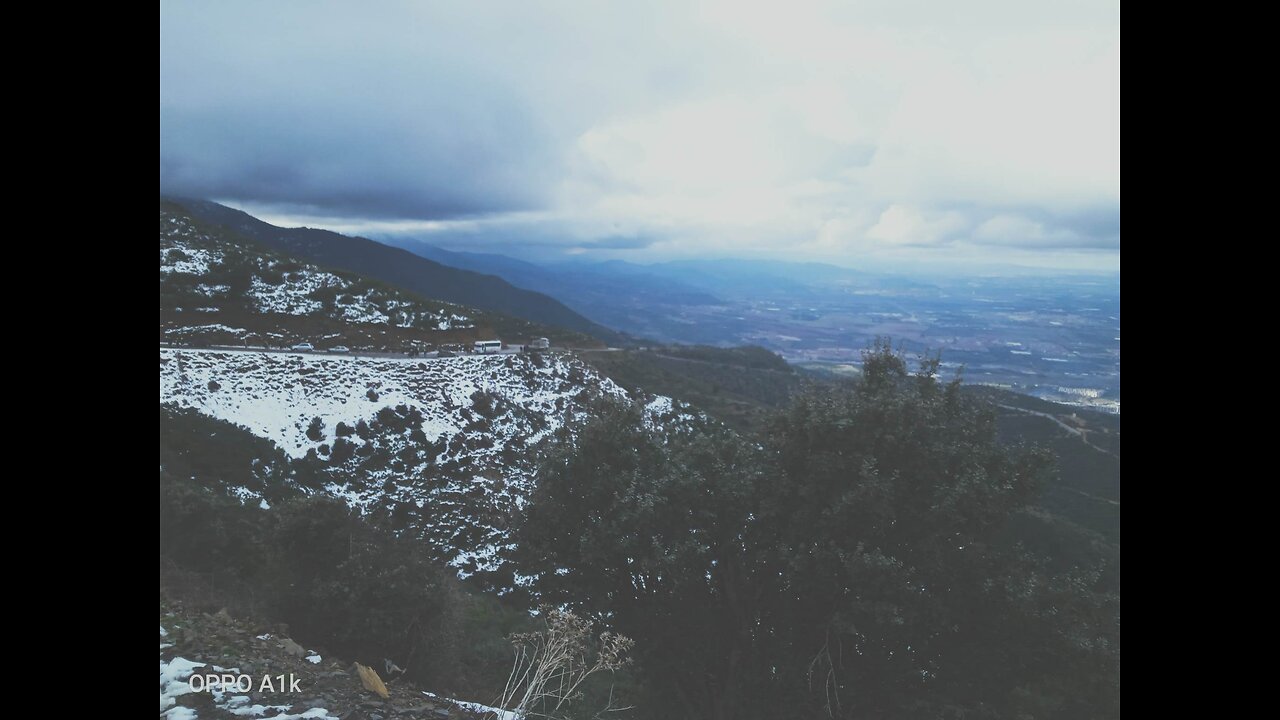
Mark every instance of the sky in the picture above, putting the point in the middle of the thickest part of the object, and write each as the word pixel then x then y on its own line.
pixel 894 134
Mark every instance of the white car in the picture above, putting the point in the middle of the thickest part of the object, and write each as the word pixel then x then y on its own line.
pixel 303 347
pixel 339 349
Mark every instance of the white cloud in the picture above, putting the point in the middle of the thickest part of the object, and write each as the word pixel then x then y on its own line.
pixel 837 131
pixel 902 225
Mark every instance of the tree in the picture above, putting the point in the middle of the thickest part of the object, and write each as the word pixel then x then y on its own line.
pixel 890 601
pixel 652 530
pixel 846 565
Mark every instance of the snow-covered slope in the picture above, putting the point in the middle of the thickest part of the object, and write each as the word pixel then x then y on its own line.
pixel 445 447
pixel 276 395
pixel 208 273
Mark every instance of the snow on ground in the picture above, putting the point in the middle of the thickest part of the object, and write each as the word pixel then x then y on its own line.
pixel 496 713
pixel 182 258
pixel 214 327
pixel 286 287
pixel 174 676
pixel 276 395
pixel 455 476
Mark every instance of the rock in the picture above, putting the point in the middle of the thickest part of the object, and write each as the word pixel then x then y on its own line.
pixel 224 616
pixel 375 716
pixel 371 682
pixel 293 648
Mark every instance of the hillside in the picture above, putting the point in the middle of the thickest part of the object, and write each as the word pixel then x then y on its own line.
pixel 400 268
pixel 738 386
pixel 195 643
pixel 1087 445
pixel 743 390
pixel 218 287
pixel 443 447
pixel 633 300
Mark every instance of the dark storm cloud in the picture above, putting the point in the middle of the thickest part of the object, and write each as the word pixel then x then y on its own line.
pixel 1102 224
pixel 248 115
pixel 1095 227
pixel 534 237
pixel 299 156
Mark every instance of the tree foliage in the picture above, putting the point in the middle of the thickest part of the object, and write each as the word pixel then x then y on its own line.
pixel 843 566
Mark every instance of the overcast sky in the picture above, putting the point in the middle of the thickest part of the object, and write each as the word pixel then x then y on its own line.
pixel 886 134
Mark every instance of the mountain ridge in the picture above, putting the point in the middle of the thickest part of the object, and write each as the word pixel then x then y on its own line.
pixel 400 268
pixel 218 287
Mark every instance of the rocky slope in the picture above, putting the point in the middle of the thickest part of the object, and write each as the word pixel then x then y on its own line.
pixel 275 678
pixel 401 268
pixel 217 287
pixel 444 447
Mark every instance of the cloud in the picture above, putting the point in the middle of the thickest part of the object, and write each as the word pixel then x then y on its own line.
pixel 847 133
pixel 901 225
pixel 1089 233
pixel 616 243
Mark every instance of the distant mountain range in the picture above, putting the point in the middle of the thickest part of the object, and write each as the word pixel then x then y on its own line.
pixel 651 301
pixel 616 294
pixel 400 268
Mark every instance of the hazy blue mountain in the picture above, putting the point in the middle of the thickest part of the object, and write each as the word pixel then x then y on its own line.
pixel 614 294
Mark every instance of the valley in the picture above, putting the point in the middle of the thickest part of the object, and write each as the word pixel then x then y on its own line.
pixel 636 361
pixel 1056 337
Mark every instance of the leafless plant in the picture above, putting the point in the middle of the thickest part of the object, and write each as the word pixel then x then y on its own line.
pixel 830 685
pixel 551 664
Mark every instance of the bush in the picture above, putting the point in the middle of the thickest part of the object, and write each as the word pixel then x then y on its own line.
pixel 315 431
pixel 553 664
pixel 485 404
pixel 846 565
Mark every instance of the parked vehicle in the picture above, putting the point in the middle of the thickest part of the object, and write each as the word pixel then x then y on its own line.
pixel 303 347
pixel 540 344
pixel 339 349
pixel 485 347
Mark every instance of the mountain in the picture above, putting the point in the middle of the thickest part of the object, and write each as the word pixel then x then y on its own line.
pixel 444 447
pixel 1077 518
pixel 628 298
pixel 708 301
pixel 217 287
pixel 400 268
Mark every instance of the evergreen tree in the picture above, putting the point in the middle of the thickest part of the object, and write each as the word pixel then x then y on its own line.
pixel 847 565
